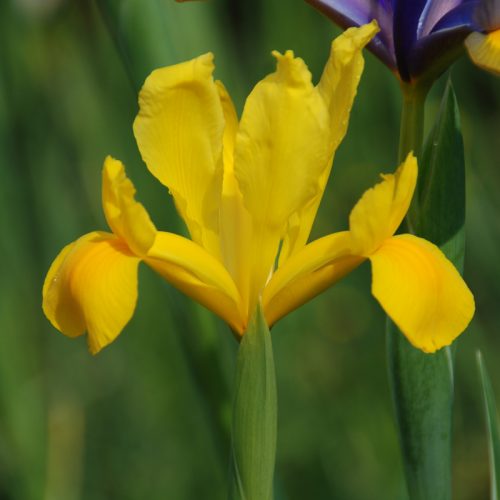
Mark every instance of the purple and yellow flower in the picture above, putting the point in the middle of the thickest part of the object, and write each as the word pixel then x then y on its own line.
pixel 420 38
pixel 248 190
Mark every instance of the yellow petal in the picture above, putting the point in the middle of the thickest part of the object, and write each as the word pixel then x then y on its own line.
pixel 307 273
pixel 179 132
pixel 339 82
pixel 484 50
pixel 381 209
pixel 92 286
pixel 126 217
pixel 235 221
pixel 281 149
pixel 198 274
pixel 230 127
pixel 421 291
pixel 338 87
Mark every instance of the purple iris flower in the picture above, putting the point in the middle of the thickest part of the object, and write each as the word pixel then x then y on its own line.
pixel 417 37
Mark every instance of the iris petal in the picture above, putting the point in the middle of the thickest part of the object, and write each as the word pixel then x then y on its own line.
pixel 421 291
pixel 307 273
pixel 235 221
pixel 418 287
pixel 356 13
pixel 198 274
pixel 484 50
pixel 179 132
pixel 381 209
pixel 92 286
pixel 127 218
pixel 433 12
pixel 282 146
pixel 338 87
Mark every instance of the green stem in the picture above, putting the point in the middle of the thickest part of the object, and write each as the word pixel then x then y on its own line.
pixel 411 130
pixel 254 415
pixel 422 384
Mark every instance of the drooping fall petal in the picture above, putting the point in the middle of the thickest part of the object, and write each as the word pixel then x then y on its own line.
pixel 92 286
pixel 198 274
pixel 319 264
pixel 484 50
pixel 421 291
pixel 414 282
pixel 179 132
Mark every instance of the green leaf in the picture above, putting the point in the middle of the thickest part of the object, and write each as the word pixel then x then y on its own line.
pixel 438 209
pixel 254 415
pixel 492 426
pixel 422 384
pixel 422 387
pixel 139 30
pixel 150 34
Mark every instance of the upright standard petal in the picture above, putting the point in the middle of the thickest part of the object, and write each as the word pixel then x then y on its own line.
pixel 421 291
pixel 179 132
pixel 340 79
pixel 338 87
pixel 381 209
pixel 235 221
pixel 432 13
pixel 484 50
pixel 126 217
pixel 92 286
pixel 282 146
pixel 349 14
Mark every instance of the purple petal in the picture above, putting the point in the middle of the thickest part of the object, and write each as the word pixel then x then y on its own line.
pixel 435 52
pixel 348 13
pixel 406 19
pixel 345 13
pixel 433 12
pixel 443 43
pixel 463 16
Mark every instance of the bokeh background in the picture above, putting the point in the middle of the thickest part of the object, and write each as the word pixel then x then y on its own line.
pixel 149 416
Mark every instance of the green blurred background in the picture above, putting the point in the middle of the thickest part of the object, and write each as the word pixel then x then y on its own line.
pixel 148 417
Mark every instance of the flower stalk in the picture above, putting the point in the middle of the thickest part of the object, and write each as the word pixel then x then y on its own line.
pixel 411 131
pixel 253 451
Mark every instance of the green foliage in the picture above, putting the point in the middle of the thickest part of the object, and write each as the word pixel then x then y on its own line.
pixel 422 384
pixel 438 211
pixel 422 387
pixel 492 427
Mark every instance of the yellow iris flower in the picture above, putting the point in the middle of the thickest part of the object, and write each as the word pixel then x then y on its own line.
pixel 248 191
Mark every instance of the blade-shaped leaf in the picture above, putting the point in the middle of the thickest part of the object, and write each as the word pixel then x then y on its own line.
pixel 140 34
pixel 492 426
pixel 422 384
pixel 438 210
pixel 254 415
